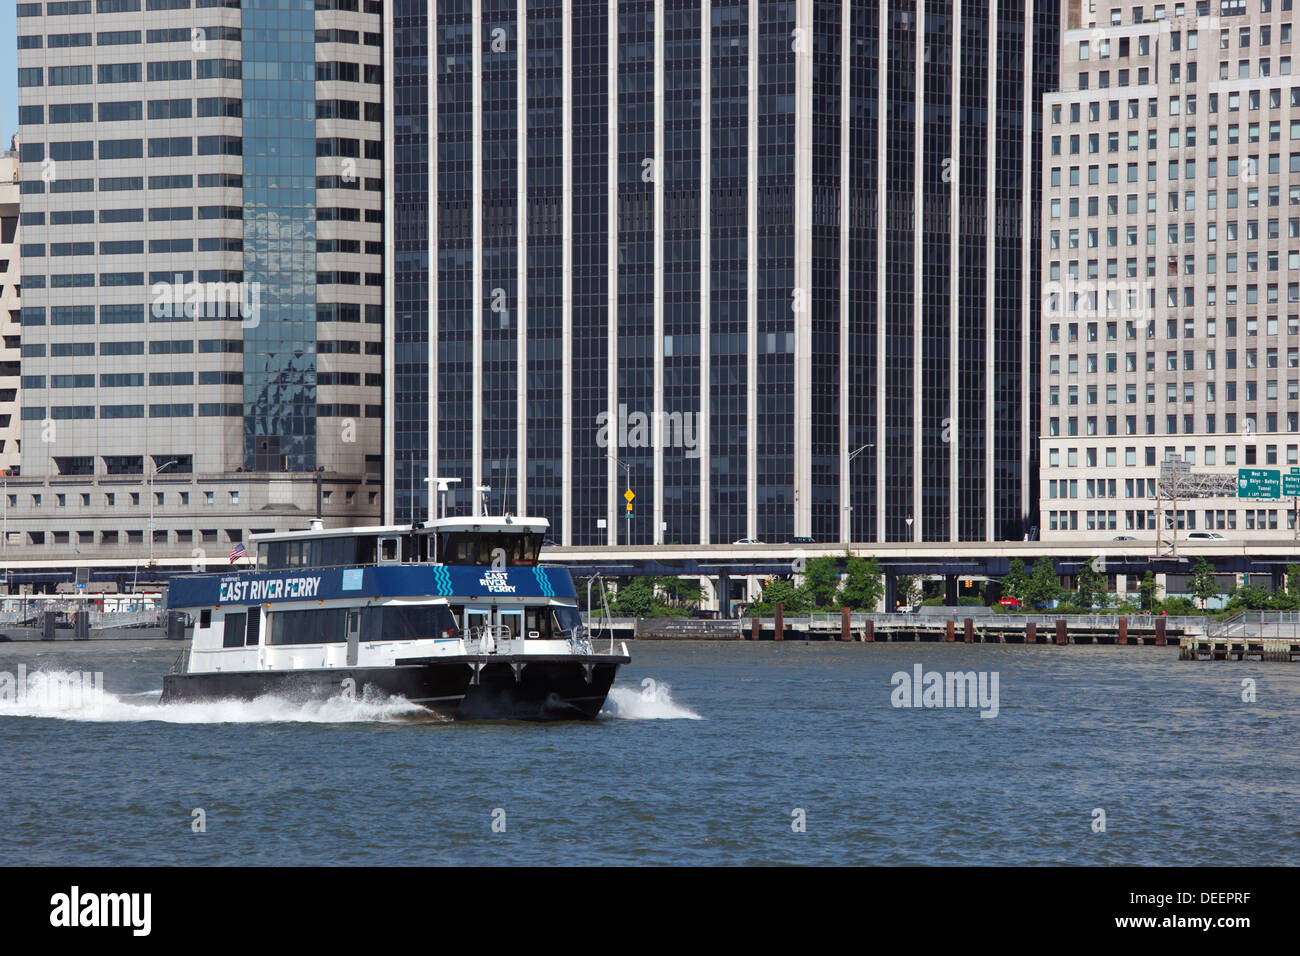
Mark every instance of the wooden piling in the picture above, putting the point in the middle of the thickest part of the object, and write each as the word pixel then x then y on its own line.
pixel 1123 631
pixel 1062 632
pixel 1161 640
pixel 948 629
pixel 1031 632
pixel 968 630
pixel 846 624
pixel 756 629
pixel 869 632
pixel 778 631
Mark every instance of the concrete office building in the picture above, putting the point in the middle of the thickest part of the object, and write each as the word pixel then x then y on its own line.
pixel 770 264
pixel 10 272
pixel 1170 249
pixel 202 270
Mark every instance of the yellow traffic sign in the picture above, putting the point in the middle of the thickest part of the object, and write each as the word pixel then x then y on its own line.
pixel 628 495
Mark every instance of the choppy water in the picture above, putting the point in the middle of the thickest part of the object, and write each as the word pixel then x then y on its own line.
pixel 708 764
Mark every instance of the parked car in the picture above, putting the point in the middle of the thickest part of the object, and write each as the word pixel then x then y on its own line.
pixel 803 540
pixel 747 541
pixel 1205 536
pixel 1009 601
pixel 1123 537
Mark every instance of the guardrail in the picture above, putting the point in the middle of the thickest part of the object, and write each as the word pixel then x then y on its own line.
pixel 1270 624
pixel 1048 620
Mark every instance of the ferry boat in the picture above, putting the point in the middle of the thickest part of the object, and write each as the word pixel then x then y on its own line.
pixel 457 615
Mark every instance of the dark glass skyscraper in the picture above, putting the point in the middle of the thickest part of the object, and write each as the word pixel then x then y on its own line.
pixel 770 265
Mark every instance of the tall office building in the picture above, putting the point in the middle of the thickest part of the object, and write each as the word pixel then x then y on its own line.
pixel 770 265
pixel 202 260
pixel 10 282
pixel 1171 240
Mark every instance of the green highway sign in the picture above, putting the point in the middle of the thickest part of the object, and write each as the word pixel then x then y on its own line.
pixel 1291 485
pixel 1259 483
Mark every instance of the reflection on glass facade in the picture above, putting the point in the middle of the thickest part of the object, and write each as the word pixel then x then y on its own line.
pixel 279 131
pixel 783 277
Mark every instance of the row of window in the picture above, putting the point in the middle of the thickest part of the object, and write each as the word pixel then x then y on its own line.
pixel 39 413
pixel 64 8
pixel 1215 519
pixel 196 36
pixel 1111 423
pixel 180 346
pixel 1110 457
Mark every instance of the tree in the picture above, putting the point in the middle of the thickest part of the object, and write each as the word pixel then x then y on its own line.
pixel 1014 581
pixel 907 590
pixel 821 582
pixel 1293 579
pixel 1043 586
pixel 1091 590
pixel 636 599
pixel 680 592
pixel 863 587
pixel 1147 592
pixel 778 591
pixel 1201 582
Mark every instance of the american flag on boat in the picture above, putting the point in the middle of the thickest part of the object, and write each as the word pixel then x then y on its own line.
pixel 236 552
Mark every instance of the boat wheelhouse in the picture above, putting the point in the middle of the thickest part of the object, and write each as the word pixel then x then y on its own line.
pixel 457 615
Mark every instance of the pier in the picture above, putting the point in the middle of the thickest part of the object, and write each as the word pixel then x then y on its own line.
pixel 1251 635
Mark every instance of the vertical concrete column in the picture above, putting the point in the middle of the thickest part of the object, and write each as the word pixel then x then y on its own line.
pixel 950 590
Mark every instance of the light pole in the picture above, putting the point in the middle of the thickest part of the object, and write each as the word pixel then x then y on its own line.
pixel 156 470
pixel 847 535
pixel 628 469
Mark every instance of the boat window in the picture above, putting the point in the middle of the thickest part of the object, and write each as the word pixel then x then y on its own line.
pixel 205 617
pixel 319 626
pixel 408 622
pixel 234 630
pixel 567 618
pixel 538 623
pixel 389 550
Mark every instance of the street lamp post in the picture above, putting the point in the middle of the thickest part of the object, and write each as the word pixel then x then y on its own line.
pixel 156 470
pixel 628 469
pixel 848 509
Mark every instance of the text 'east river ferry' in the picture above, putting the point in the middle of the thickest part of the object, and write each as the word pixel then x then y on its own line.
pixel 456 615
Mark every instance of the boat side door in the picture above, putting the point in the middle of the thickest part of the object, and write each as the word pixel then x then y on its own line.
pixel 476 617
pixel 512 618
pixel 354 635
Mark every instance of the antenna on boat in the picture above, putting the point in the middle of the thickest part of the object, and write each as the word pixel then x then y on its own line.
pixel 443 487
pixel 485 500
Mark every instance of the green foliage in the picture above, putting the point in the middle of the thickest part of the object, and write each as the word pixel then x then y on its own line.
pixel 1014 581
pixel 863 587
pixel 821 583
pixel 1201 582
pixel 636 599
pixel 1091 592
pixel 1147 592
pixel 1179 605
pixel 778 591
pixel 907 590
pixel 680 592
pixel 1043 586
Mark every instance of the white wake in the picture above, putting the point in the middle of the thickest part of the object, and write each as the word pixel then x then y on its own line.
pixel 96 706
pixel 646 703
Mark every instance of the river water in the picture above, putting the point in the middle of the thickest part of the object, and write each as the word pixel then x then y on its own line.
pixel 708 753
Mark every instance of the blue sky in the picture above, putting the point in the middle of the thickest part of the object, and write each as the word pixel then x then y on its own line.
pixel 8 83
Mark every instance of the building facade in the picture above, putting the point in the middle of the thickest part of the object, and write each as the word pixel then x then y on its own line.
pixel 771 266
pixel 202 256
pixel 10 319
pixel 1171 240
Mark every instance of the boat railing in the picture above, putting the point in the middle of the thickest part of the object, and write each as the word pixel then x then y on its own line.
pixel 182 663
pixel 485 638
pixel 580 639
